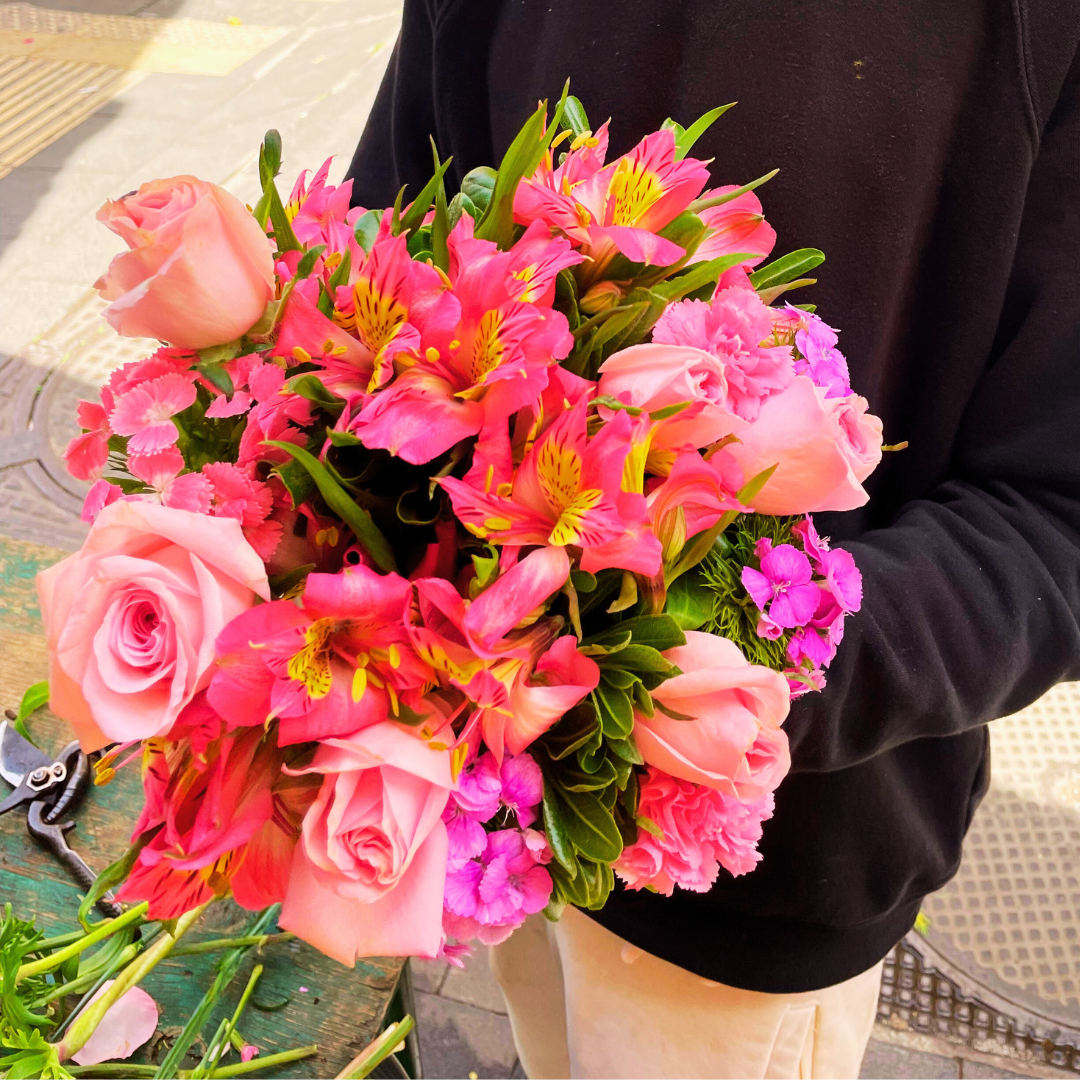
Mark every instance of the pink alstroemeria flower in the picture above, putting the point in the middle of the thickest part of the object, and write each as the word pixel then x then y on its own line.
pixel 314 208
pixel 479 368
pixel 145 412
pixel 737 226
pixel 620 207
pixel 331 667
pixel 567 491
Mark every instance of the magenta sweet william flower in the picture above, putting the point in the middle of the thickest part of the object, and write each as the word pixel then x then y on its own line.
pixel 496 891
pixel 822 360
pixel 522 787
pixel 782 588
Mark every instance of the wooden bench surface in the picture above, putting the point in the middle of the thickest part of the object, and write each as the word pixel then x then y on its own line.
pixel 338 1008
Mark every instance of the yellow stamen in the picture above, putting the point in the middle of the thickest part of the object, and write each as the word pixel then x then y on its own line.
pixel 633 190
pixel 311 665
pixel 301 354
pixel 359 683
pixel 395 656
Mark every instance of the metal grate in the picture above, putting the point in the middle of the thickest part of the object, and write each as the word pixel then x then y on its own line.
pixel 41 100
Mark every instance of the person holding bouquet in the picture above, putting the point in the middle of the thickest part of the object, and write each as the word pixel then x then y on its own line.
pixel 933 153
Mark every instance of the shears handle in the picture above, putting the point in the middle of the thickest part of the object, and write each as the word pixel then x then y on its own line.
pixel 52 837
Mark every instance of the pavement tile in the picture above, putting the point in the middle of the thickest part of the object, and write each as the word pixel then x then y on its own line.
pixel 976 1070
pixel 475 984
pixel 885 1062
pixel 456 1039
pixel 428 975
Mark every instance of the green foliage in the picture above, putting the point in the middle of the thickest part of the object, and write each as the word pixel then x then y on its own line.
pixel 786 269
pixel 18 938
pixel 24 1054
pixel 35 696
pixel 588 758
pixel 735 615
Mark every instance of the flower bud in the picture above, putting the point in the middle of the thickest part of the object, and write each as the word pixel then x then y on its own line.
pixel 601 297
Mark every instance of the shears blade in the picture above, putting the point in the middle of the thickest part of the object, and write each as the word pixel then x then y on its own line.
pixel 18 756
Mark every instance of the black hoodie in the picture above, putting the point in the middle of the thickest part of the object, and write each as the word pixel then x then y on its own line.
pixel 932 149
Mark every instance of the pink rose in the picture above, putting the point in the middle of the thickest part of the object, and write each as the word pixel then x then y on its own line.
pixel 200 270
pixel 824 447
pixel 367 877
pixel 132 617
pixel 653 376
pixel 734 743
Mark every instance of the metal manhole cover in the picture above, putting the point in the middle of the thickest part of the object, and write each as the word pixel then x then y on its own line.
pixel 1010 920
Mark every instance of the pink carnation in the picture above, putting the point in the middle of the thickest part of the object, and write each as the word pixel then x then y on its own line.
pixel 734 327
pixel 701 829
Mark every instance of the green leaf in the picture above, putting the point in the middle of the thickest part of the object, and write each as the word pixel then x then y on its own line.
pixel 284 237
pixel 640 659
pixel 357 518
pixel 660 632
pixel 615 710
pixel 590 826
pixel 35 696
pixel 684 142
pixel 557 832
pixel 311 387
pixel 628 594
pixel 705 273
pixel 573 780
pixel 577 728
pixel 477 186
pixel 617 677
pixel 718 200
pixel 115 873
pixel 520 160
pixel 787 268
pixel 689 602
pixel 367 230
pixel 297 481
pixel 626 749
pixel 307 262
pixel 440 225
pixel 769 295
pixel 583 581
pixel 412 219
pixel 574 117
pixel 590 888
pixel 343 438
pixel 461 204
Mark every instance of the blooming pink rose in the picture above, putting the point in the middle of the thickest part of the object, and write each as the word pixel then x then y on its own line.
pixel 367 877
pixel 824 448
pixel 734 743
pixel 654 376
pixel 131 618
pixel 200 270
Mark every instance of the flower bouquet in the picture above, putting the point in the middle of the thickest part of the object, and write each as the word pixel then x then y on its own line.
pixel 450 559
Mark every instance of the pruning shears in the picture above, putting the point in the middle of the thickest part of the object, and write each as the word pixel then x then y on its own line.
pixel 49 788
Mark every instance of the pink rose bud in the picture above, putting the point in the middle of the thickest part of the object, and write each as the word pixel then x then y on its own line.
pixel 200 270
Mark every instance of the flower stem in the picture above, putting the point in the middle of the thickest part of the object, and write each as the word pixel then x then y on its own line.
pixel 376 1051
pixel 242 1067
pixel 217 944
pixel 91 1016
pixel 105 929
pixel 111 1068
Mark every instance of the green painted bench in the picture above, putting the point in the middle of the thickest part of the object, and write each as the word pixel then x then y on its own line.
pixel 338 1008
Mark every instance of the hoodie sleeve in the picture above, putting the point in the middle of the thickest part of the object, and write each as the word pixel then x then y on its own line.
pixel 972 594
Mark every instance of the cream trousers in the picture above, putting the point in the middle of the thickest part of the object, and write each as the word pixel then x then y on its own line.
pixel 585 1003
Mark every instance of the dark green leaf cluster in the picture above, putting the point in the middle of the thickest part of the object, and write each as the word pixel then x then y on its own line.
pixel 734 614
pixel 588 758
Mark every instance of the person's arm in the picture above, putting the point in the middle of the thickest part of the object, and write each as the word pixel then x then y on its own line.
pixel 972 595
pixel 394 148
